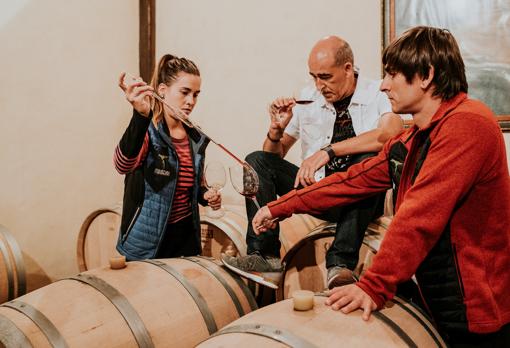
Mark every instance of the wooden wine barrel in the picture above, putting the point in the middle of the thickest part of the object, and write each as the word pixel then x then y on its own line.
pixel 98 237
pixel 12 268
pixel 305 263
pixel 278 325
pixel 295 228
pixel 225 234
pixel 154 303
pixel 388 204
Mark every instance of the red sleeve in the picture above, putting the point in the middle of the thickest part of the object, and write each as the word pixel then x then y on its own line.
pixel 124 164
pixel 133 146
pixel 362 180
pixel 461 148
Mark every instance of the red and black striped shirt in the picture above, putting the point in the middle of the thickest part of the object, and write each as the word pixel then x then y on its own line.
pixel 181 206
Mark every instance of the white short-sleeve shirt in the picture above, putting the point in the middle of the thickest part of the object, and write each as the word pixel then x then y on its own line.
pixel 314 123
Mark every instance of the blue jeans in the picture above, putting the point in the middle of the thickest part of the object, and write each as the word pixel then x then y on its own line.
pixel 276 178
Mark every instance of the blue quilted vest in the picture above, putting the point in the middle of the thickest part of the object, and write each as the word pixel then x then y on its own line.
pixel 143 236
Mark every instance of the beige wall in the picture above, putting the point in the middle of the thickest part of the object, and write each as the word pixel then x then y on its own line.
pixel 61 115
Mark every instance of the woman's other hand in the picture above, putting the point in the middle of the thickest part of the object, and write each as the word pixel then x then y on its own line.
pixel 213 199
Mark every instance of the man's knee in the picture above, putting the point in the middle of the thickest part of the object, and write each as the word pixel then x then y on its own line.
pixel 260 159
pixel 254 156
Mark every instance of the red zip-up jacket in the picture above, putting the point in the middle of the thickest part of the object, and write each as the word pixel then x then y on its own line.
pixel 463 187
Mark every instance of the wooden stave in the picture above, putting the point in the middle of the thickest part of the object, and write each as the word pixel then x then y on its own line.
pixel 81 244
pixel 14 266
pixel 233 226
pixel 296 228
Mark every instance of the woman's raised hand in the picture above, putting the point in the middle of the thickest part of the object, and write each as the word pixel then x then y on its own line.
pixel 138 93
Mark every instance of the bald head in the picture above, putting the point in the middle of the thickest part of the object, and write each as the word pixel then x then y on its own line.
pixel 334 49
pixel 331 66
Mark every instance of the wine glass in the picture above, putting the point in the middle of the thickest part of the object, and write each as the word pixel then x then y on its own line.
pixel 245 181
pixel 302 95
pixel 215 179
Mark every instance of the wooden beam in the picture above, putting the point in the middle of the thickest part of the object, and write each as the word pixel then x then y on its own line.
pixel 392 21
pixel 147 46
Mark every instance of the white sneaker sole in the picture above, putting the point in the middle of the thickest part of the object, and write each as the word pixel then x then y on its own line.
pixel 269 279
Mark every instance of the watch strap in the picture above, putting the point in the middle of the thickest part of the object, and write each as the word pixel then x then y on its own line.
pixel 329 150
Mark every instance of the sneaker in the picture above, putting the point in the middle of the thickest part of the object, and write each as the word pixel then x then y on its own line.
pixel 263 270
pixel 340 276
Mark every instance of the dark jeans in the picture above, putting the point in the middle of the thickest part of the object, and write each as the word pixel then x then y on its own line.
pixel 276 178
pixel 180 239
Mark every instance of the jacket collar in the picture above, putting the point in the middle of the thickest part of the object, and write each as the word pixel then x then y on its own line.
pixel 444 109
pixel 193 134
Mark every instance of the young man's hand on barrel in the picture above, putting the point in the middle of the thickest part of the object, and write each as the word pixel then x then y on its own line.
pixel 349 298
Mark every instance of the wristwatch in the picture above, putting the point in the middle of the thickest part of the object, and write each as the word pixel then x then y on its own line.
pixel 329 150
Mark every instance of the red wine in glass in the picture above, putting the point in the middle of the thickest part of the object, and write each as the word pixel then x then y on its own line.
pixel 304 101
pixel 245 181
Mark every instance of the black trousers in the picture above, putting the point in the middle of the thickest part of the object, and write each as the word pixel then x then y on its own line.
pixel 276 178
pixel 180 239
pixel 498 339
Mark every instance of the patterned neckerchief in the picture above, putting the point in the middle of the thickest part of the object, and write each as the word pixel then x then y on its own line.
pixel 342 130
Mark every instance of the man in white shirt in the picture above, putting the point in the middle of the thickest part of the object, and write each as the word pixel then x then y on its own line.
pixel 341 122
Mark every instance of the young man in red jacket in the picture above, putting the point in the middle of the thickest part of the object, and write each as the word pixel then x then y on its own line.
pixel 452 188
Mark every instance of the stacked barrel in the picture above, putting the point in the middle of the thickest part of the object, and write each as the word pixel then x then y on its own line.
pixel 12 267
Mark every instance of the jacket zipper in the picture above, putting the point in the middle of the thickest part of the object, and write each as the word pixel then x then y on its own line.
pixel 403 184
pixel 425 304
pixel 130 227
pixel 457 270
